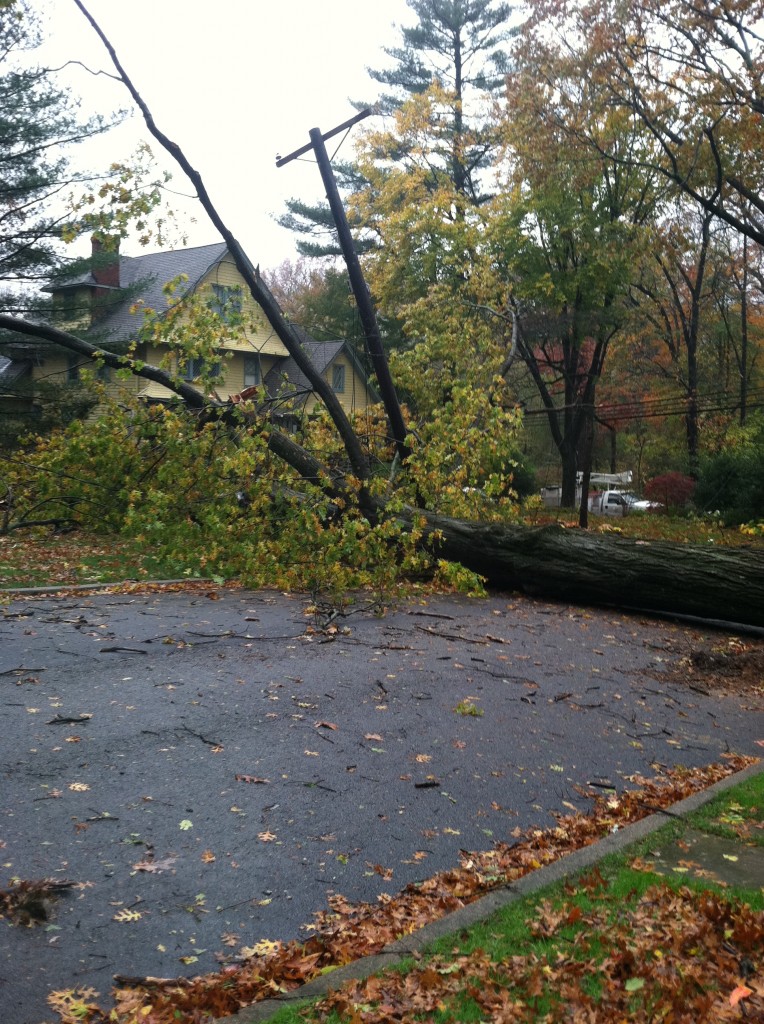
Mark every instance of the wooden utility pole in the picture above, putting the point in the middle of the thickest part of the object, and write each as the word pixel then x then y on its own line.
pixel 365 306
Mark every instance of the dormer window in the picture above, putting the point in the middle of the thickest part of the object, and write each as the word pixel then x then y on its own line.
pixel 338 378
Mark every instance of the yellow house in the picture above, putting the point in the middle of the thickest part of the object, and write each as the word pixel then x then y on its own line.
pixel 106 304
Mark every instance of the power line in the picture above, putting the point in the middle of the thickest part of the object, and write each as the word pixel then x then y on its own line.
pixel 654 408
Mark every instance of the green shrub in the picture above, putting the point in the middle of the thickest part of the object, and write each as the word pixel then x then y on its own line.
pixel 732 480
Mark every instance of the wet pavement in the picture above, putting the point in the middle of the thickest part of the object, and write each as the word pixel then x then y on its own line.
pixel 209 766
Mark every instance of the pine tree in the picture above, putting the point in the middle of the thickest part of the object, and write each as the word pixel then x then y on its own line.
pixel 458 44
pixel 38 122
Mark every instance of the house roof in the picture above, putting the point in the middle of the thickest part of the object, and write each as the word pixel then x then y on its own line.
pixel 320 353
pixel 147 275
pixel 12 370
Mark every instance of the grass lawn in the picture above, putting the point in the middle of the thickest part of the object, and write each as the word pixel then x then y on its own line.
pixel 617 943
pixel 38 557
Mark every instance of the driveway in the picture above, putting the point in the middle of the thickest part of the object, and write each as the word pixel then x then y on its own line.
pixel 209 765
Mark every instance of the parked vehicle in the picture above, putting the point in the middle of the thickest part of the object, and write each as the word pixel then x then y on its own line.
pixel 607 496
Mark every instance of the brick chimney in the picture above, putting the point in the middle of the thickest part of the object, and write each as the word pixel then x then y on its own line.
pixel 105 260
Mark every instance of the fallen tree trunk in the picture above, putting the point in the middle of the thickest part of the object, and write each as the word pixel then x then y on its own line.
pixel 721 583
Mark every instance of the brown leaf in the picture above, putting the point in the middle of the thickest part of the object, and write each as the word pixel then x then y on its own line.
pixel 155 866
pixel 252 778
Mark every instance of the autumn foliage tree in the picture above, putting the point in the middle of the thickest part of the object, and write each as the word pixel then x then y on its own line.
pixel 690 74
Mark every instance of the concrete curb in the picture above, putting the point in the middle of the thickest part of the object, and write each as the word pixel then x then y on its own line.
pixel 478 911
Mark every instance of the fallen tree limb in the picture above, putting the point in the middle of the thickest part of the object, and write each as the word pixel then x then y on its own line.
pixel 721 583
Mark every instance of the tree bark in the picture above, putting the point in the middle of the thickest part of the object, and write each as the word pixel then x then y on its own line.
pixel 725 584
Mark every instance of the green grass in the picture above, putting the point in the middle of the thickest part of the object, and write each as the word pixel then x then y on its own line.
pixel 576 921
pixel 39 558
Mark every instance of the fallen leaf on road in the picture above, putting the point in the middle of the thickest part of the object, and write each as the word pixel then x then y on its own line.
pixel 266 837
pixel 252 778
pixel 127 915
pixel 78 787
pixel 153 866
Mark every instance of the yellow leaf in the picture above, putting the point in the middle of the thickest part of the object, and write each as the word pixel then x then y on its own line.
pixel 263 948
pixel 127 915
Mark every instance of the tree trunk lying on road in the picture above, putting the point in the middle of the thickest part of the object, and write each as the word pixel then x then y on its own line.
pixel 574 565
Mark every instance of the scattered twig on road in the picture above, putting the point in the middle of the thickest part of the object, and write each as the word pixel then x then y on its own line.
pixel 118 650
pixel 198 735
pixel 452 636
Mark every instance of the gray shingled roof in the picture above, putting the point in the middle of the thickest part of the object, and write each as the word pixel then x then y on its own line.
pixel 320 353
pixel 147 275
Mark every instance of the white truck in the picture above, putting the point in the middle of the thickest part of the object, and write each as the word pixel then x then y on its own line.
pixel 607 495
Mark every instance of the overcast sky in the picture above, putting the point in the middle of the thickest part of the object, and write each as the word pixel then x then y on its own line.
pixel 233 82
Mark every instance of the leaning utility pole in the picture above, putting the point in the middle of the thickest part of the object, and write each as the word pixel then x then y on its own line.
pixel 360 290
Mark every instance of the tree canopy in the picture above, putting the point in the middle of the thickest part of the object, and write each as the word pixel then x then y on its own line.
pixel 39 123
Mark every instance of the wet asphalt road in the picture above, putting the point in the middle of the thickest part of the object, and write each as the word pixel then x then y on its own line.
pixel 208 768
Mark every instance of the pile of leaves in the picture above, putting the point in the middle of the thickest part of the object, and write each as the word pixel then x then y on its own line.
pixel 678 956
pixel 729 665
pixel 348 932
pixel 27 902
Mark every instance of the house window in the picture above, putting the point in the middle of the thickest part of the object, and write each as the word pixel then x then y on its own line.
pixel 72 370
pixel 252 371
pixel 338 378
pixel 68 305
pixel 194 367
pixel 226 302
